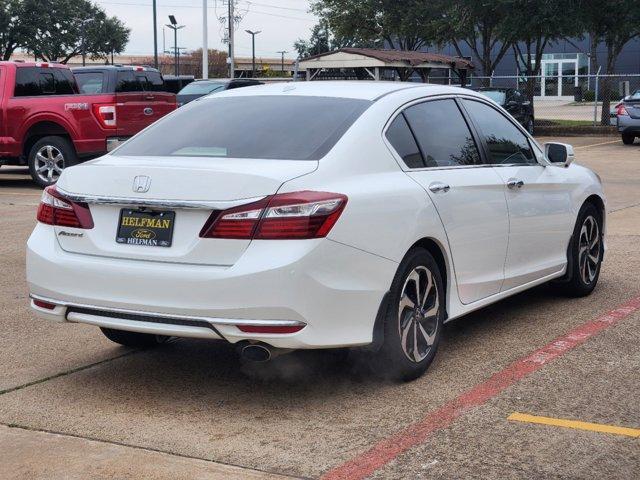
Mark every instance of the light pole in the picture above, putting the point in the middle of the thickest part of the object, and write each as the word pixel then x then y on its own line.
pixel 282 52
pixel 253 51
pixel 83 45
pixel 205 42
pixel 155 35
pixel 175 27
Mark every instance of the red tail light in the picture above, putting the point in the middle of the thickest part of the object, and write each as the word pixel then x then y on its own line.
pixel 106 114
pixel 288 216
pixel 620 110
pixel 269 329
pixel 54 209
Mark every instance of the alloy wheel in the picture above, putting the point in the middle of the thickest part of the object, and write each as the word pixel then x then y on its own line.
pixel 49 163
pixel 589 249
pixel 418 314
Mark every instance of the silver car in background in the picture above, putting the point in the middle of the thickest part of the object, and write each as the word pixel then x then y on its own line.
pixel 628 116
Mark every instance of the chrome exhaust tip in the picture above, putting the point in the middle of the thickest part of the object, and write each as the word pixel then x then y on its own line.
pixel 255 352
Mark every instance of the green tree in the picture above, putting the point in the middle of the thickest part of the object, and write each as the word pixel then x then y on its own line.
pixel 17 25
pixel 106 38
pixel 406 25
pixel 532 26
pixel 323 40
pixel 67 28
pixel 615 26
pixel 480 25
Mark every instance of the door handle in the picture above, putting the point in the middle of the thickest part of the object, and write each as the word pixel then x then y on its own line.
pixel 149 97
pixel 436 187
pixel 515 183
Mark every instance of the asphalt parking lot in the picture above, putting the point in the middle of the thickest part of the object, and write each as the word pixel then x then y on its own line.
pixel 73 405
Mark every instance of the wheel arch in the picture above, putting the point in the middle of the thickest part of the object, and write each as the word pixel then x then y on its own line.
pixel 438 252
pixel 44 128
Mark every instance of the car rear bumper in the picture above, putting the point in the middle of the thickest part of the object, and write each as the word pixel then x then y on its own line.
pixel 331 289
pixel 626 124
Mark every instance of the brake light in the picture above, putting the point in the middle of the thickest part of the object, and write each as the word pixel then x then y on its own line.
pixel 54 209
pixel 287 216
pixel 620 110
pixel 106 114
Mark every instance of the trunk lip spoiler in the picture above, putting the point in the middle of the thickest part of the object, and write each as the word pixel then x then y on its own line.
pixel 155 202
pixel 169 316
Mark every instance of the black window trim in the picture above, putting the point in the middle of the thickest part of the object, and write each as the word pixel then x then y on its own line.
pixel 472 128
pixel 483 143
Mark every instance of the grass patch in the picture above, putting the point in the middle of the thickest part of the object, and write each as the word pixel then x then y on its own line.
pixel 564 123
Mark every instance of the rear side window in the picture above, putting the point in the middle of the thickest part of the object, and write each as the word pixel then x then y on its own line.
pixel 35 81
pixel 126 81
pixel 90 82
pixel 506 143
pixel 443 134
pixel 283 127
pixel 65 83
pixel 401 138
pixel 151 81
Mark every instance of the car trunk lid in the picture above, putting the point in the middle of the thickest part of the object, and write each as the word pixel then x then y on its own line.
pixel 190 189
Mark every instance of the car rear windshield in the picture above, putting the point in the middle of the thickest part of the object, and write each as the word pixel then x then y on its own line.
pixel 495 95
pixel 634 97
pixel 266 127
pixel 202 88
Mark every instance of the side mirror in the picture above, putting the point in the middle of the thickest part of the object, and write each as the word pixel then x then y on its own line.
pixel 559 153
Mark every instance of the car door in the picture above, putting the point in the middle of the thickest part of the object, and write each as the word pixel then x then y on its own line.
pixel 468 196
pixel 538 197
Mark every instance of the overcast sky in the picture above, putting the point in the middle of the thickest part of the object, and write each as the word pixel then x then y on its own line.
pixel 281 22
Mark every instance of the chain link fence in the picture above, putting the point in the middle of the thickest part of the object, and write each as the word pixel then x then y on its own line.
pixel 568 100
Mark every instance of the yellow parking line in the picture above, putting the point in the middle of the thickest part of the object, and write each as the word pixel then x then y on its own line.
pixel 596 144
pixel 559 422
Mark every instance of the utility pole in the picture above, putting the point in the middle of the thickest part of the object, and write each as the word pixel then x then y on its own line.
pixel 282 52
pixel 155 35
pixel 232 66
pixel 253 51
pixel 205 46
pixel 175 27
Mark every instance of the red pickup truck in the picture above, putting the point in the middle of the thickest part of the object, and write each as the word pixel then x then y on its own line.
pixel 48 123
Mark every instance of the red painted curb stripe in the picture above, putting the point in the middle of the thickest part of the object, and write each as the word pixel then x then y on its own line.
pixel 389 448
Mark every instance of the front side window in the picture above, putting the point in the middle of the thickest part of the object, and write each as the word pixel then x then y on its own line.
pixel 402 140
pixel 443 134
pixel 497 96
pixel 506 143
pixel 282 127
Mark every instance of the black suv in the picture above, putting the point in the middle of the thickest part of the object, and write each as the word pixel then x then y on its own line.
pixel 200 88
pixel 514 102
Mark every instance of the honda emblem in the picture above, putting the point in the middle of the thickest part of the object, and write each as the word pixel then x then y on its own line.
pixel 141 184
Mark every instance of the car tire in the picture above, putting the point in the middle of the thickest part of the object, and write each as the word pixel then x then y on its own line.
pixel 412 331
pixel 628 139
pixel 134 339
pixel 529 125
pixel 586 251
pixel 48 157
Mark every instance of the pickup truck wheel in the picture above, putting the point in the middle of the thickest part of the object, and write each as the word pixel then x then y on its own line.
pixel 48 157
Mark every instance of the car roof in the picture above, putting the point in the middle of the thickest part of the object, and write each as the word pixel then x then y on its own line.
pixel 357 89
pixel 141 68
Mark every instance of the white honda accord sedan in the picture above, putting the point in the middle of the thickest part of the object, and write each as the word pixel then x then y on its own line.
pixel 315 215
